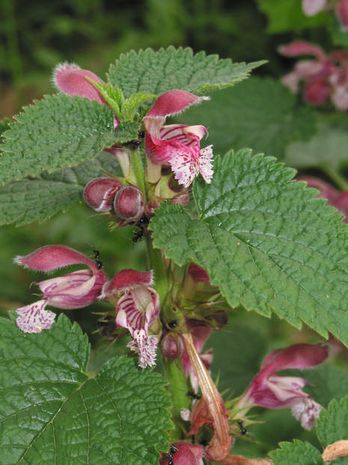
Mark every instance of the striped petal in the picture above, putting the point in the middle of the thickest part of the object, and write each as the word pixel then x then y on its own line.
pixel 34 318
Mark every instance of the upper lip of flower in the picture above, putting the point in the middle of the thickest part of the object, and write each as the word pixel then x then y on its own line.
pixel 272 391
pixel 73 290
pixel 177 144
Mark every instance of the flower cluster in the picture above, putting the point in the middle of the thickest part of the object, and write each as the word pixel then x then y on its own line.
pixel 175 145
pixel 321 79
pixel 137 304
pixel 269 390
pixel 313 7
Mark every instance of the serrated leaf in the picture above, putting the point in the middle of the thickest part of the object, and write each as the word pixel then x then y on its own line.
pixel 37 199
pixel 52 412
pixel 328 147
pixel 58 132
pixel 158 71
pixel 287 15
pixel 332 425
pixel 267 242
pixel 296 452
pixel 259 113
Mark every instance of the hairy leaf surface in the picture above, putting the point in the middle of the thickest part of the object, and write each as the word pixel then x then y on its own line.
pixel 266 240
pixel 52 412
pixel 37 199
pixel 58 132
pixel 171 68
pixel 296 452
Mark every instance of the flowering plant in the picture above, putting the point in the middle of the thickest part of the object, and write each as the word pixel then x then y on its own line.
pixel 217 232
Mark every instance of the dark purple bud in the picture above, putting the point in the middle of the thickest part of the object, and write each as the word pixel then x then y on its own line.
pixel 172 346
pixel 129 204
pixel 99 193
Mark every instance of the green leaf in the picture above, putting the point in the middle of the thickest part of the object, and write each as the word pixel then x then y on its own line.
pixel 328 147
pixel 296 452
pixel 58 132
pixel 37 199
pixel 332 425
pixel 326 382
pixel 259 113
pixel 287 15
pixel 236 361
pixel 158 71
pixel 52 412
pixel 267 242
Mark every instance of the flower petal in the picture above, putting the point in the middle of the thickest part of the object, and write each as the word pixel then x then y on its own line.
pixel 296 356
pixel 74 290
pixel 71 80
pixel 342 14
pixel 301 47
pixel 145 346
pixel 99 193
pixel 205 163
pixel 34 318
pixel 307 411
pixel 53 257
pixel 127 279
pixel 313 7
pixel 168 104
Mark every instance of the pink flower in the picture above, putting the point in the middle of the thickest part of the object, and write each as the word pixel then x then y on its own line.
pixel 200 333
pixel 136 310
pixel 177 145
pixel 313 7
pixel 323 78
pixel 269 390
pixel 74 290
pixel 334 197
pixel 183 453
pixel 72 80
pixel 342 14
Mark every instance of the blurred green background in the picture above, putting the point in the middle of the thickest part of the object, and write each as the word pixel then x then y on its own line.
pixel 34 37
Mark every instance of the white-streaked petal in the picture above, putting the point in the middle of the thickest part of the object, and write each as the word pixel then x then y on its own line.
pixel 146 347
pixel 34 318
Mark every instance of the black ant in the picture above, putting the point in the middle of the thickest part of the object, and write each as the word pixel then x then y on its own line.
pixel 193 395
pixel 97 259
pixel 242 428
pixel 140 229
pixel 171 453
pixel 172 324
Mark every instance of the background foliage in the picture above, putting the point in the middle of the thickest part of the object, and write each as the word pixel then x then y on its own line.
pixel 259 113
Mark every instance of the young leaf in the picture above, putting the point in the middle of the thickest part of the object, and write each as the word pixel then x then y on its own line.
pixel 171 68
pixel 296 452
pixel 259 113
pixel 332 425
pixel 267 242
pixel 58 132
pixel 37 199
pixel 53 412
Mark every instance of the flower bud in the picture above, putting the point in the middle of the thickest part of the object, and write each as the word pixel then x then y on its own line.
pixel 99 193
pixel 129 204
pixel 183 453
pixel 172 346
